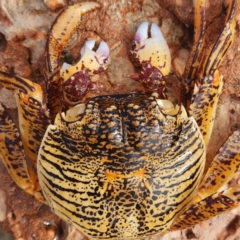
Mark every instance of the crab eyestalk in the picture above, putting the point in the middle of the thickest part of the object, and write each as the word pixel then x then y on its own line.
pixel 153 55
pixel 77 78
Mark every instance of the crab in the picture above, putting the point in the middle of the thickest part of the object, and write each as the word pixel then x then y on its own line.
pixel 122 166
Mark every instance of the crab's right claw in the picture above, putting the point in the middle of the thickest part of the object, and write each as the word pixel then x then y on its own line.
pixel 152 50
pixel 59 35
pixel 77 78
pixel 153 55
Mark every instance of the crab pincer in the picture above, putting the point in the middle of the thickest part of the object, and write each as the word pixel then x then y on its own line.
pixel 152 54
pixel 63 28
pixel 77 78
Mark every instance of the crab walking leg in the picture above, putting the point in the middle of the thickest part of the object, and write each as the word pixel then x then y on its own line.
pixel 195 56
pixel 208 208
pixel 206 92
pixel 32 113
pixel 222 168
pixel 223 42
pixel 54 94
pixel 13 156
pixel 202 63
pixel 60 33
pixel 204 103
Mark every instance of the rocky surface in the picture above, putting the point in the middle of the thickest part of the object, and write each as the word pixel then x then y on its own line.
pixel 23 31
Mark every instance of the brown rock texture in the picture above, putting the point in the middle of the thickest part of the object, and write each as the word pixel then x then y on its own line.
pixel 23 31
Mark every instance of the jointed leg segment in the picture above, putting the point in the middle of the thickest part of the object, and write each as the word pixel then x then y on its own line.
pixel 202 75
pixel 13 156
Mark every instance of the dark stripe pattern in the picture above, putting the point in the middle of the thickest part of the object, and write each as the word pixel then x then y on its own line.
pixel 124 170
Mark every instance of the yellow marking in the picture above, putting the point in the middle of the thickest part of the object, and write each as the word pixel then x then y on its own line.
pixel 105 160
pixel 110 146
pixel 197 198
pixel 92 139
pixel 216 77
pixel 111 124
pixel 135 123
pixel 140 144
pixel 24 98
pixel 111 135
pixel 140 173
pixel 111 176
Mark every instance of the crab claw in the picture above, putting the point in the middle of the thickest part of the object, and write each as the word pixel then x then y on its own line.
pixel 62 30
pixel 95 62
pixel 92 62
pixel 77 78
pixel 153 55
pixel 152 49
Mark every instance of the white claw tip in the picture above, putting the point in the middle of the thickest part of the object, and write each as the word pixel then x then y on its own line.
pixel 90 44
pixel 65 66
pixel 152 47
pixel 142 32
pixel 103 50
pixel 156 32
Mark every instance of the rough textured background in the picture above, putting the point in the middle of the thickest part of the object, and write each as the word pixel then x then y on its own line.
pixel 23 30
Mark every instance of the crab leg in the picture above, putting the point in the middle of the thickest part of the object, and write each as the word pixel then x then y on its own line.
pixel 61 31
pixel 32 113
pixel 13 156
pixel 208 208
pixel 209 85
pixel 198 65
pixel 223 167
pixel 204 103
pixel 195 57
pixel 223 42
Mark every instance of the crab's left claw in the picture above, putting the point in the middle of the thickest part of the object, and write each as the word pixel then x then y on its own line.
pixel 92 62
pixel 63 28
pixel 77 78
pixel 59 35
pixel 153 55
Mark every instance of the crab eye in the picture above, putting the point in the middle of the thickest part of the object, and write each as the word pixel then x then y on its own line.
pixel 152 47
